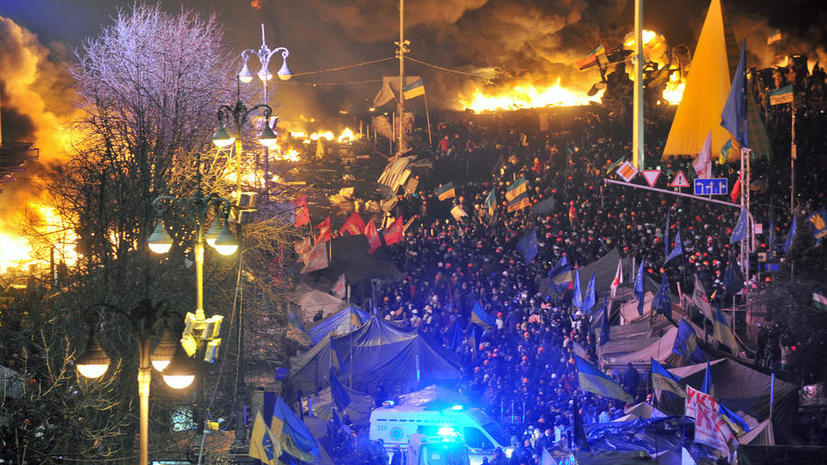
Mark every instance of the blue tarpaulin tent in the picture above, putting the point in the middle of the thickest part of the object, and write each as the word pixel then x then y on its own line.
pixel 374 353
pixel 339 323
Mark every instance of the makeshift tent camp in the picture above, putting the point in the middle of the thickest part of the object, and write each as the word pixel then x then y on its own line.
pixel 310 371
pixel 660 349
pixel 637 342
pixel 741 388
pixel 434 397
pixel 340 323
pixel 761 435
pixel 641 410
pixel 604 271
pixel 358 410
pixel 311 301
pixel 372 354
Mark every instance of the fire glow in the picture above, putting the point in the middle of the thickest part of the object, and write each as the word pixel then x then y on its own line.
pixel 50 231
pixel 345 137
pixel 527 95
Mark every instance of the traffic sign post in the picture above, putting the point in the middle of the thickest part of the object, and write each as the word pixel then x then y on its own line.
pixel 711 186
pixel 679 180
pixel 651 176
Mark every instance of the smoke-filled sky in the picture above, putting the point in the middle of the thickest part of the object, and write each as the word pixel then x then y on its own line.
pixel 539 37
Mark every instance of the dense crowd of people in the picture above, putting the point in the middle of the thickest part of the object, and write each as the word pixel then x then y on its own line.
pixel 522 369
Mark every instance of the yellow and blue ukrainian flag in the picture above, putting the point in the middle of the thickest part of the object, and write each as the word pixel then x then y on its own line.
pixel 481 317
pixel 592 380
pixel 446 191
pixel 263 445
pixel 686 343
pixel 293 436
pixel 722 331
pixel 516 188
pixel 414 89
pixel 665 381
pixel 491 202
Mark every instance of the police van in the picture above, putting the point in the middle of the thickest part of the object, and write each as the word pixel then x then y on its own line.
pixel 394 425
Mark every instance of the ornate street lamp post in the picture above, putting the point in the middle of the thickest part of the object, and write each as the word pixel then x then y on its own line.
pixel 219 237
pixel 237 114
pixel 147 322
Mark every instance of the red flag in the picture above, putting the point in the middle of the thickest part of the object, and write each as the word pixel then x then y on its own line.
pixel 373 236
pixel 393 234
pixel 736 189
pixel 302 212
pixel 323 229
pixel 354 225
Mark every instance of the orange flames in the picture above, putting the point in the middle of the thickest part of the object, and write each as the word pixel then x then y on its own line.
pixel 673 93
pixel 526 95
pixel 49 230
pixel 529 94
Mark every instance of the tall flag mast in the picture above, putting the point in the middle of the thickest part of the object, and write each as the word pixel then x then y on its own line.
pixel 637 131
pixel 403 48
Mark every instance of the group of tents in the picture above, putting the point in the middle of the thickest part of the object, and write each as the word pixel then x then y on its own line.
pixel 366 354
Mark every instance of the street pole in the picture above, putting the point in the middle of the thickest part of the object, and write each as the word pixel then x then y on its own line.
pixel 637 122
pixel 144 376
pixel 401 105
pixel 199 274
pixel 145 320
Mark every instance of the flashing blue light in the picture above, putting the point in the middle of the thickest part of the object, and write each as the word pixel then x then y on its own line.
pixel 457 407
pixel 388 403
pixel 446 432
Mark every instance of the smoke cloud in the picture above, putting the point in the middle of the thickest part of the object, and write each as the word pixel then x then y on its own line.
pixel 37 101
pixel 31 77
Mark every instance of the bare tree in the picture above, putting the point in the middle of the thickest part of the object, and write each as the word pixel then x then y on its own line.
pixel 149 85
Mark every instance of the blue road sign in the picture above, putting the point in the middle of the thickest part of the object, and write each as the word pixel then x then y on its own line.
pixel 712 186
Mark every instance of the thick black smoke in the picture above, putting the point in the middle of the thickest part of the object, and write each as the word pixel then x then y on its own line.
pixel 538 38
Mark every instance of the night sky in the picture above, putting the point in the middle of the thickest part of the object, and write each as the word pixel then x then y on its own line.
pixel 538 36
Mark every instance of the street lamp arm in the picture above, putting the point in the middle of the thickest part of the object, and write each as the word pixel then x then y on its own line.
pixel 158 204
pixel 268 111
pixel 222 205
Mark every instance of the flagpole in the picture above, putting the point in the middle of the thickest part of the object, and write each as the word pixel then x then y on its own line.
pixel 744 187
pixel 637 131
pixel 793 156
pixel 428 119
pixel 772 393
pixel 401 52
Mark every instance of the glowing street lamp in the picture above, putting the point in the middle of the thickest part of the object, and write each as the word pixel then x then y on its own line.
pixel 218 237
pixel 239 113
pixel 146 321
pixel 264 54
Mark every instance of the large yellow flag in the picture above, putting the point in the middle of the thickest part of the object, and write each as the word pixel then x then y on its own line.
pixel 263 445
pixel 707 88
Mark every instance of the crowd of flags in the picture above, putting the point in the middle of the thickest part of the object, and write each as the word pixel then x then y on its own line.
pixel 286 439
pixel 316 252
pixel 315 249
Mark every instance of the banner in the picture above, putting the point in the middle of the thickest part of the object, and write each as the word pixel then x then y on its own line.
pixel 696 398
pixel 710 427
